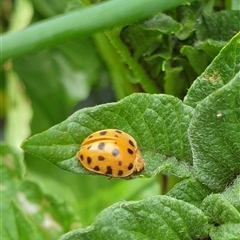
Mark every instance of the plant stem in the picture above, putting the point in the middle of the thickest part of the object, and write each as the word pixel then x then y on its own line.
pixel 80 23
pixel 147 83
pixel 116 67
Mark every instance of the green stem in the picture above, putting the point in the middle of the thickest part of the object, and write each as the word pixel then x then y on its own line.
pixel 117 69
pixel 147 83
pixel 80 23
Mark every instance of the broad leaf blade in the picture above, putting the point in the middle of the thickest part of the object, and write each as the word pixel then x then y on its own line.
pixel 232 194
pixel 190 190
pixel 219 210
pixel 223 68
pixel 226 232
pixel 215 136
pixel 64 75
pixel 158 217
pixel 217 26
pixel 162 23
pixel 157 122
pixel 223 216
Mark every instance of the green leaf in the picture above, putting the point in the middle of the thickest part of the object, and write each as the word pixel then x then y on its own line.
pixel 232 193
pixel 162 23
pixel 210 47
pixel 215 136
pixel 175 80
pixel 226 232
pixel 197 59
pixel 157 122
pixel 140 41
pixel 190 190
pixel 104 195
pixel 55 215
pixel 16 226
pixel 158 217
pixel 187 15
pixel 219 210
pixel 220 26
pixel 224 217
pixel 27 211
pixel 219 72
pixel 65 75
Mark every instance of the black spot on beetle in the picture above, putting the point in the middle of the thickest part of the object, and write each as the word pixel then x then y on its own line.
pixel 96 168
pixel 115 152
pixel 101 146
pixel 81 157
pixel 131 143
pixel 89 160
pixel 90 136
pixel 119 163
pixel 103 132
pixel 130 166
pixel 109 171
pixel 101 158
pixel 118 131
pixel 130 151
pixel 89 147
pixel 120 173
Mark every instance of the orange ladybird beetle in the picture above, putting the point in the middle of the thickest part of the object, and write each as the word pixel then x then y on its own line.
pixel 111 152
